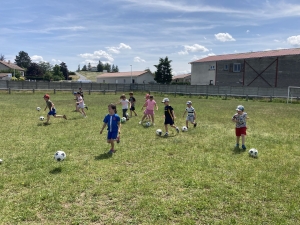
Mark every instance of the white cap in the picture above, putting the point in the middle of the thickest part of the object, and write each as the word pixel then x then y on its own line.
pixel 165 100
pixel 188 102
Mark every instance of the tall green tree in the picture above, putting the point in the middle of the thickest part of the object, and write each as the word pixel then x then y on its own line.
pixel 84 68
pixel 23 60
pixel 163 74
pixel 100 66
pixel 113 68
pixel 57 73
pixel 117 69
pixel 107 67
pixel 89 66
pixel 64 70
pixel 34 71
pixel 45 66
pixel 78 68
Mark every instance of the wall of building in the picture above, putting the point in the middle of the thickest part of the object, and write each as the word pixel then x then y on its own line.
pixel 144 78
pixel 203 73
pixel 3 67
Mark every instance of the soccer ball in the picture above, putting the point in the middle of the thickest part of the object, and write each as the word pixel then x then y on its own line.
pixel 38 108
pixel 123 119
pixel 42 118
pixel 60 156
pixel 184 128
pixel 148 124
pixel 253 152
pixel 159 132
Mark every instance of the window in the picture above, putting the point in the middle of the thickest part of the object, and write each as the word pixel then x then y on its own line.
pixel 212 67
pixel 236 67
pixel 225 67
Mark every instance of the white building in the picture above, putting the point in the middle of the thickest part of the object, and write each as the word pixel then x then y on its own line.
pixel 135 77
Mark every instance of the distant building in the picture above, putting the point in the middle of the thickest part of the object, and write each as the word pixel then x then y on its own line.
pixel 94 69
pixel 135 77
pixel 8 65
pixel 5 76
pixel 275 68
pixel 184 78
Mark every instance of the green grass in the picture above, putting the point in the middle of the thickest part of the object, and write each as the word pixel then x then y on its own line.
pixel 196 177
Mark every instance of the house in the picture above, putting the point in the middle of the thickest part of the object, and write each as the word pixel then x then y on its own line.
pixel 94 69
pixel 11 66
pixel 275 68
pixel 135 77
pixel 5 76
pixel 183 78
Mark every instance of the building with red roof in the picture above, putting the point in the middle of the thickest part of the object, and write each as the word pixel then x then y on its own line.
pixel 134 77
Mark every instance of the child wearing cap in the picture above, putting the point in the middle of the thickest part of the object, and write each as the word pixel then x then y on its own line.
pixel 191 114
pixel 240 125
pixel 132 101
pixel 149 104
pixel 169 116
pixel 112 121
pixel 52 110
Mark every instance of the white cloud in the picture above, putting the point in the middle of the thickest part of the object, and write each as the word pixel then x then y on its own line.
pixel 247 31
pixel 294 40
pixel 97 55
pixel 193 48
pixel 224 37
pixel 138 59
pixel 56 61
pixel 37 58
pixel 276 40
pixel 116 50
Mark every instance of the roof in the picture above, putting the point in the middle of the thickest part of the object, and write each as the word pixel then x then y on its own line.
pixel 247 55
pixel 122 74
pixel 181 76
pixel 3 74
pixel 11 65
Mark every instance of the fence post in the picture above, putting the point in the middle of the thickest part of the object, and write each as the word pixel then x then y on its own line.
pixel 271 98
pixel 226 96
pixel 247 97
pixel 190 94
pixel 8 90
pixel 206 95
pixel 104 91
pixel 89 91
pixel 175 93
pixel 33 90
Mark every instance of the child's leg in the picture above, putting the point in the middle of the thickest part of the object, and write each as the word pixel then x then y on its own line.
pixel 112 144
pixel 59 116
pixel 238 140
pixel 166 128
pixel 48 118
pixel 187 123
pixel 82 109
pixel 243 139
pixel 130 113
pixel 152 118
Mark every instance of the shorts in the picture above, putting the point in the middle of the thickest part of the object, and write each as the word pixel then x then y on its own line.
pixel 81 106
pixel 112 135
pixel 190 118
pixel 169 121
pixel 149 112
pixel 240 131
pixel 52 112
pixel 132 108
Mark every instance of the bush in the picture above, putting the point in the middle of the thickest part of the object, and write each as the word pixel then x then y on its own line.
pixel 14 79
pixel 21 78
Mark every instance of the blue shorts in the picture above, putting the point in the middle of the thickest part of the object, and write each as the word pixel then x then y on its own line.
pixel 52 112
pixel 112 135
pixel 169 121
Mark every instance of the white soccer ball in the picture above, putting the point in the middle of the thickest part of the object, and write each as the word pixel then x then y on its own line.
pixel 148 124
pixel 38 108
pixel 123 119
pixel 1 161
pixel 60 156
pixel 253 152
pixel 42 118
pixel 159 132
pixel 184 128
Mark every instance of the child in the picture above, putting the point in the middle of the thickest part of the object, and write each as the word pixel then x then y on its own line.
pixel 52 110
pixel 169 116
pixel 147 96
pixel 149 104
pixel 125 105
pixel 81 94
pixel 191 114
pixel 240 125
pixel 132 101
pixel 76 99
pixel 112 120
pixel 80 104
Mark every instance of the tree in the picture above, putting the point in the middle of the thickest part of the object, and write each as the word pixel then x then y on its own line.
pixel 78 68
pixel 2 57
pixel 45 66
pixel 84 68
pixel 100 66
pixel 163 74
pixel 34 71
pixel 107 67
pixel 57 73
pixel 117 69
pixel 64 70
pixel 89 67
pixel 113 68
pixel 23 60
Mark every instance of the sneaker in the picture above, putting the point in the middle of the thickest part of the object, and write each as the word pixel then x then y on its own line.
pixel 237 145
pixel 118 140
pixel 177 129
pixel 65 117
pixel 153 124
pixel 140 122
pixel 110 152
pixel 166 134
pixel 87 108
pixel 195 124
pixel 243 147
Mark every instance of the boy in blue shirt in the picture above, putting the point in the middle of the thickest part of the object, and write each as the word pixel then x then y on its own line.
pixel 112 121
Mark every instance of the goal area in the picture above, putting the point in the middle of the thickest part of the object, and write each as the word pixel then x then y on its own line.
pixel 293 93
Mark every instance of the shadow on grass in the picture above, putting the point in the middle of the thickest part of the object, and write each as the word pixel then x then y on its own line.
pixel 43 124
pixel 104 156
pixel 56 170
pixel 237 150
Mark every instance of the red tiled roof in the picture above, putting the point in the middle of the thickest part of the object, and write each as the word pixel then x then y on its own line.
pixel 12 65
pixel 122 74
pixel 180 76
pixel 247 55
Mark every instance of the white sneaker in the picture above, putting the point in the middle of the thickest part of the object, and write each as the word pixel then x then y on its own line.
pixel 153 124
pixel 140 122
pixel 166 134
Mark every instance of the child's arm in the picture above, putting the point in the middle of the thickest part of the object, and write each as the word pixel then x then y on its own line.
pixel 119 128
pixel 145 104
pixel 173 113
pixel 156 107
pixel 104 125
pixel 234 118
pixel 129 104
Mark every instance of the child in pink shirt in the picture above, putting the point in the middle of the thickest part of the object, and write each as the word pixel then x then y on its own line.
pixel 149 104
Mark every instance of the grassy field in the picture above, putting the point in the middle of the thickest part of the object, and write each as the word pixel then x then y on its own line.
pixel 196 177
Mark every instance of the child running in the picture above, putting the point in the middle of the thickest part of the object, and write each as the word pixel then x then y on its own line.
pixel 125 105
pixel 112 121
pixel 240 125
pixel 147 96
pixel 52 110
pixel 149 104
pixel 132 101
pixel 80 104
pixel 169 116
pixel 191 114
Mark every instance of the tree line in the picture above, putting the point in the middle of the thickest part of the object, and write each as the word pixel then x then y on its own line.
pixel 100 67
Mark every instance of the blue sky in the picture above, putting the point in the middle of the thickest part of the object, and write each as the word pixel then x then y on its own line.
pixel 139 32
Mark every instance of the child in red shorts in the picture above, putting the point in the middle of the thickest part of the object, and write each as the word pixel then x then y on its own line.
pixel 240 125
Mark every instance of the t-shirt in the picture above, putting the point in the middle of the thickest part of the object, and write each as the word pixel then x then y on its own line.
pixel 190 111
pixel 112 122
pixel 81 104
pixel 132 100
pixel 49 104
pixel 169 112
pixel 150 104
pixel 124 103
pixel 241 120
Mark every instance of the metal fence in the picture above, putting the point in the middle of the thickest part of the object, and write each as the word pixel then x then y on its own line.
pixel 208 90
